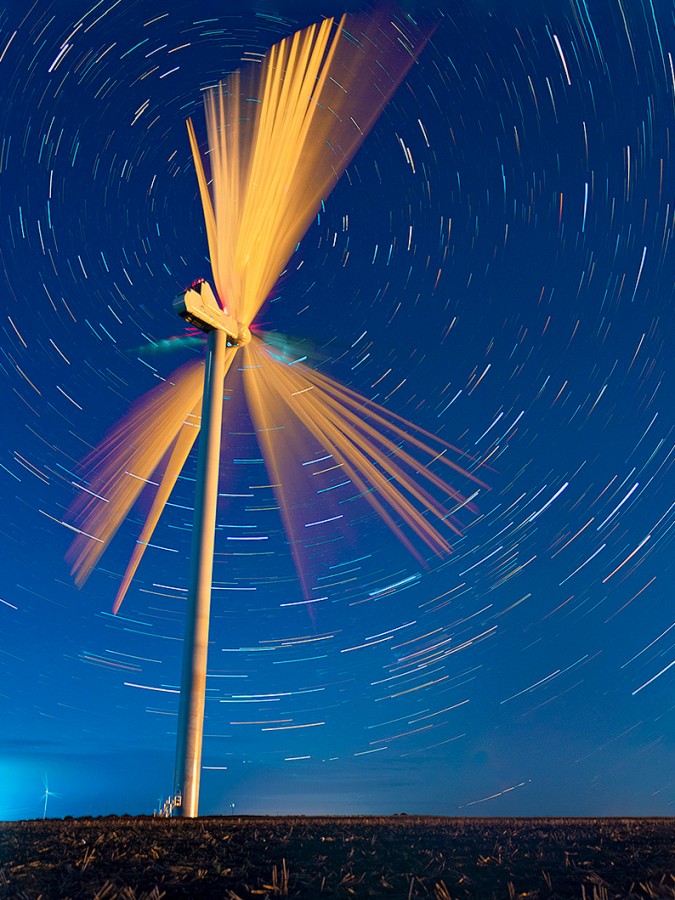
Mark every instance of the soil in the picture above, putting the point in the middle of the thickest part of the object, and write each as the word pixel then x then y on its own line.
pixel 398 857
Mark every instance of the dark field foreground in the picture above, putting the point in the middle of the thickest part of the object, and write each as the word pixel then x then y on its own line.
pixel 397 857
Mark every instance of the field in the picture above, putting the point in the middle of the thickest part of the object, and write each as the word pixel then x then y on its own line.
pixel 398 857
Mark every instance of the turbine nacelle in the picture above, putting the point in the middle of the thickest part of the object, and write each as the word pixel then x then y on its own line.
pixel 198 306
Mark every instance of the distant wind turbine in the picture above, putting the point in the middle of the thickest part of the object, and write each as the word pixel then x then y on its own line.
pixel 280 134
pixel 47 794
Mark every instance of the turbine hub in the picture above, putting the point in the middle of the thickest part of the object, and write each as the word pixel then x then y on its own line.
pixel 243 337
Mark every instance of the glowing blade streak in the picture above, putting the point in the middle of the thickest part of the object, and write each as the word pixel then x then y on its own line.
pixel 376 465
pixel 280 135
pixel 124 462
pixel 179 454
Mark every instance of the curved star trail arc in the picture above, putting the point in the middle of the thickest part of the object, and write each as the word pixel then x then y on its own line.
pixel 496 265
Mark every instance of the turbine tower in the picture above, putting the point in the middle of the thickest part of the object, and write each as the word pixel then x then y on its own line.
pixel 199 307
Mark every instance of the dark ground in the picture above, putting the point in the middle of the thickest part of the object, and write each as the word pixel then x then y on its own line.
pixel 398 857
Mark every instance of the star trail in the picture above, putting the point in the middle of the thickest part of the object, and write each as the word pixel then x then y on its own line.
pixel 496 266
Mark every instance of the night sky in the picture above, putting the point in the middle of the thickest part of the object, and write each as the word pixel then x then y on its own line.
pixel 496 265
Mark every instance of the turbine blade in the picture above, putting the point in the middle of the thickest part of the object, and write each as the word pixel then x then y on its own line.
pixel 115 473
pixel 179 454
pixel 280 135
pixel 290 403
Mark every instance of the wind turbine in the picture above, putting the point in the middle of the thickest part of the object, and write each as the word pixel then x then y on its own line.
pixel 280 134
pixel 47 794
